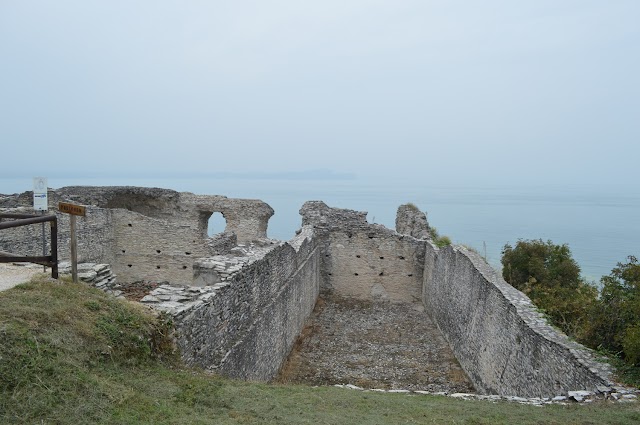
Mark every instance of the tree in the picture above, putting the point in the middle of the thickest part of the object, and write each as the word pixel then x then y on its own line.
pixel 534 264
pixel 615 323
pixel 549 275
pixel 608 320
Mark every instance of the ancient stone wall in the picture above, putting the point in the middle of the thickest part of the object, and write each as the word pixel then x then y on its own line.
pixel 366 261
pixel 374 264
pixel 222 243
pixel 138 247
pixel 245 326
pixel 504 345
pixel 94 233
pixel 413 222
pixel 247 218
pixel 144 233
pixel 154 249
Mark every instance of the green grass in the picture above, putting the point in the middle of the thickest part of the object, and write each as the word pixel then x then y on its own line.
pixel 439 241
pixel 70 354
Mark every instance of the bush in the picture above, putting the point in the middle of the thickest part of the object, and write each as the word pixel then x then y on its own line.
pixel 609 320
pixel 442 241
pixel 631 344
pixel 549 275
pixel 615 324
pixel 535 264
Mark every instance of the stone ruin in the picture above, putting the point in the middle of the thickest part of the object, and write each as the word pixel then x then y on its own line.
pixel 240 301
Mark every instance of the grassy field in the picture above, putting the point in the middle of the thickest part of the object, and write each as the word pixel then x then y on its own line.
pixel 70 354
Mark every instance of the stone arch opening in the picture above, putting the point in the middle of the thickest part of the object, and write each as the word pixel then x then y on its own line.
pixel 216 223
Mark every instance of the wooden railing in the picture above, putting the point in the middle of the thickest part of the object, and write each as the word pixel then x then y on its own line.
pixel 18 220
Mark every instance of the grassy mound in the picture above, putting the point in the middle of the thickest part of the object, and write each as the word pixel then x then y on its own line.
pixel 70 354
pixel 64 346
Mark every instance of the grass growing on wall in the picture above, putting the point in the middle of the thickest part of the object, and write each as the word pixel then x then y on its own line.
pixel 439 241
pixel 413 207
pixel 70 354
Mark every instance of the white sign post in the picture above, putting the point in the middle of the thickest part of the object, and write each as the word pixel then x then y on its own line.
pixel 40 200
pixel 40 203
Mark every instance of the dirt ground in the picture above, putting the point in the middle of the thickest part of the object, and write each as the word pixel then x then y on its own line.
pixel 136 291
pixel 373 345
pixel 11 274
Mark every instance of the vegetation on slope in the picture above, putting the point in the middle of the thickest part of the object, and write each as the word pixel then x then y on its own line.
pixel 607 319
pixel 70 354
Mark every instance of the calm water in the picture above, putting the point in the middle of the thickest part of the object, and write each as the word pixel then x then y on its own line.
pixel 600 225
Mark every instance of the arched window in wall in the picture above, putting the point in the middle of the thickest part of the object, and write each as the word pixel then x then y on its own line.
pixel 216 224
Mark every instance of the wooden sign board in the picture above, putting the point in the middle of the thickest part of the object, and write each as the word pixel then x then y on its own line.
pixel 72 209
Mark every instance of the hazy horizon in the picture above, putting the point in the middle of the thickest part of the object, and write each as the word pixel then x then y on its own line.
pixel 528 92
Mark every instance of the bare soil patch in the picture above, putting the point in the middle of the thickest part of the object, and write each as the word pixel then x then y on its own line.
pixel 135 291
pixel 14 274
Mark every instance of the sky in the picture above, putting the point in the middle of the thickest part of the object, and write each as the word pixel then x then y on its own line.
pixel 527 91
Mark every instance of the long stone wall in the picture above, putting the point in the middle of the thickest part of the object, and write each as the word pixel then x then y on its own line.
pixel 504 345
pixel 245 326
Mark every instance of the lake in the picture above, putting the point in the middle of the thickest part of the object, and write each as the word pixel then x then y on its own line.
pixel 601 225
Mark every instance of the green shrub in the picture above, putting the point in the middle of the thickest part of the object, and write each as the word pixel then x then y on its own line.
pixel 615 319
pixel 608 320
pixel 631 344
pixel 442 241
pixel 549 275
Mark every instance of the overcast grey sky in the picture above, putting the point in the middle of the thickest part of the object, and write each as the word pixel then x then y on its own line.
pixel 526 91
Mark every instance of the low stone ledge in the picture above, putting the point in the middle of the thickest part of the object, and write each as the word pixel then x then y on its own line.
pixel 615 394
pixel 175 299
pixel 98 275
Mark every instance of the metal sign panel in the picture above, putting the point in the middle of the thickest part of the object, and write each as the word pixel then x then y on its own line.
pixel 72 209
pixel 40 200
